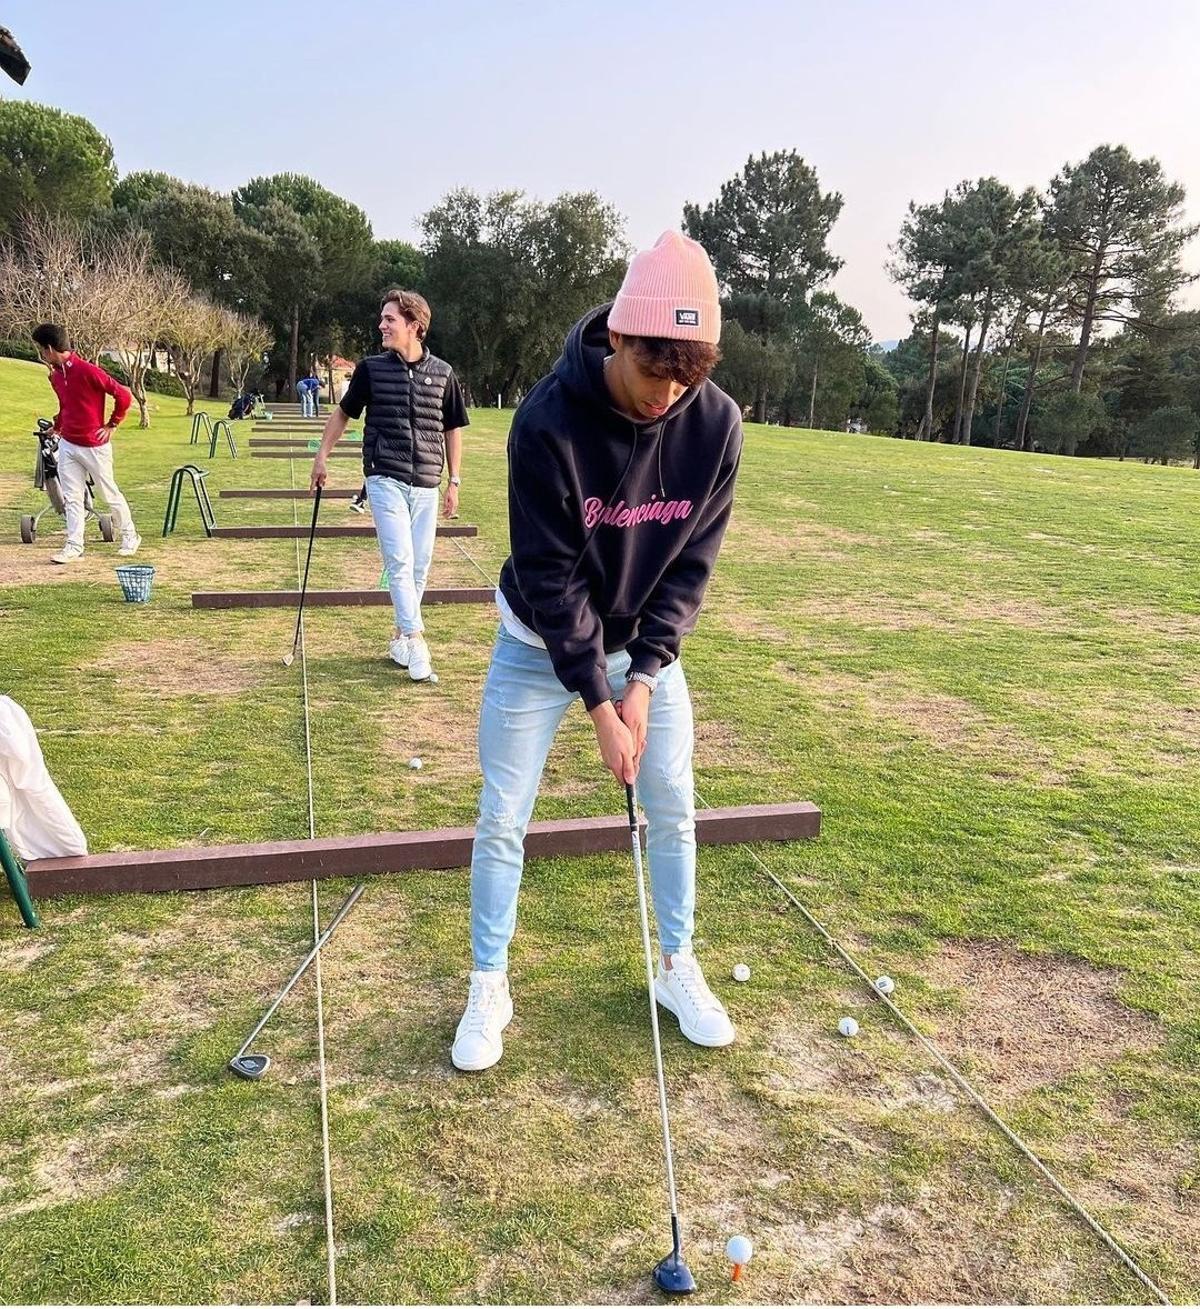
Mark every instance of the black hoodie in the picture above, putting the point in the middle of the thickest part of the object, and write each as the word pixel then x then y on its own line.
pixel 614 525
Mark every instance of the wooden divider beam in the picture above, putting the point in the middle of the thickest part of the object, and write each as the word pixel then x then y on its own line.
pixel 301 451
pixel 383 852
pixel 277 530
pixel 446 595
pixel 286 443
pixel 295 493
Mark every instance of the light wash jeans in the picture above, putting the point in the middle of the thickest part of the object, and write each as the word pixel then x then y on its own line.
pixel 307 408
pixel 406 526
pixel 76 463
pixel 523 704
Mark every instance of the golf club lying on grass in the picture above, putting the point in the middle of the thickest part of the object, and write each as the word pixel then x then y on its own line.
pixel 670 1274
pixel 252 1066
pixel 312 532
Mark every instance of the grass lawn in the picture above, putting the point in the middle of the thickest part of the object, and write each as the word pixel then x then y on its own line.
pixel 984 667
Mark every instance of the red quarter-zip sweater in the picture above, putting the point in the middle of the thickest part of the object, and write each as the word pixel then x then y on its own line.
pixel 81 388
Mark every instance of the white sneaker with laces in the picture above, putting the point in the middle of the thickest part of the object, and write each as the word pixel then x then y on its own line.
pixel 398 649
pixel 477 1042
pixel 129 545
pixel 420 665
pixel 683 990
pixel 68 554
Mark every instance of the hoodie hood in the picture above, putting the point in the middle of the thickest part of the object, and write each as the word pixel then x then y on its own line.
pixel 580 368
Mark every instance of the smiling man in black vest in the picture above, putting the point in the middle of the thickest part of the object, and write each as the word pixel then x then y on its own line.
pixel 415 413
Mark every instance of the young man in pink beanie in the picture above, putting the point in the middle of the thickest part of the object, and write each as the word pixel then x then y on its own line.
pixel 621 470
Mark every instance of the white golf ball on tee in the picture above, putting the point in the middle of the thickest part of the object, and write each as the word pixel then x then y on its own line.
pixel 848 1027
pixel 738 1249
pixel 741 972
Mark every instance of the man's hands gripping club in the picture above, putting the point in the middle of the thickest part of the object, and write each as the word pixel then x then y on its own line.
pixel 621 732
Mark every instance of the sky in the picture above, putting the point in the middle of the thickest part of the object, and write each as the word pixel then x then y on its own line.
pixel 649 104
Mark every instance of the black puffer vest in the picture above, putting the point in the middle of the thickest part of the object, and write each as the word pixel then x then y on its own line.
pixel 403 435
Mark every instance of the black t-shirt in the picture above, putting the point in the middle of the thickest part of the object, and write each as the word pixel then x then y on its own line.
pixel 358 397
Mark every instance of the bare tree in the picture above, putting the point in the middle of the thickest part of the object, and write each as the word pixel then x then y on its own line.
pixel 152 297
pixel 194 332
pixel 245 340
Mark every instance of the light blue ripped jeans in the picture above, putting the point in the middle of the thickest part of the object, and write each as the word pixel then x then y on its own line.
pixel 406 526
pixel 523 704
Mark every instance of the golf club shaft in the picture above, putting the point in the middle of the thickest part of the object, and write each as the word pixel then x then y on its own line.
pixel 635 834
pixel 296 976
pixel 312 533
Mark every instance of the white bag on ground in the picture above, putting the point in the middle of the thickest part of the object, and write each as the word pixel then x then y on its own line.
pixel 37 820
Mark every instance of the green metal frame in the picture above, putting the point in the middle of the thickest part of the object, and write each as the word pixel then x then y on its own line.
pixel 17 884
pixel 200 418
pixel 207 518
pixel 221 425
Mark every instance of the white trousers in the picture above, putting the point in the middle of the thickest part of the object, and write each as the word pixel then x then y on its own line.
pixel 76 463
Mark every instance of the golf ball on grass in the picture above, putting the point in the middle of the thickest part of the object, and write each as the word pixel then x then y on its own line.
pixel 741 972
pixel 414 762
pixel 848 1027
pixel 884 985
pixel 433 677
pixel 738 1250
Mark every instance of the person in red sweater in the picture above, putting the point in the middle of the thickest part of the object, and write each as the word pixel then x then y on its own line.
pixel 84 435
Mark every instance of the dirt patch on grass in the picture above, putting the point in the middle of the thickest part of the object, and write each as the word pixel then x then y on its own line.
pixel 1173 626
pixel 928 610
pixel 1029 1021
pixel 67 1171
pixel 805 539
pixel 175 666
pixel 17 955
pixel 942 721
pixel 29 565
pixel 1117 1168
pixel 743 622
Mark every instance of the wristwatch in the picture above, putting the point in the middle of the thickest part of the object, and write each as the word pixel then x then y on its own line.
pixel 651 683
pixel 456 481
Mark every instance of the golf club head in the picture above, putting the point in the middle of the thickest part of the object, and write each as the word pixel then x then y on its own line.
pixel 251 1066
pixel 673 1276
pixel 288 659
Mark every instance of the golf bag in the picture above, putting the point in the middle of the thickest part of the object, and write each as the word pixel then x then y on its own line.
pixel 45 478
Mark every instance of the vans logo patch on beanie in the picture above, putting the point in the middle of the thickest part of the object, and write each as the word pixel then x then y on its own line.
pixel 687 317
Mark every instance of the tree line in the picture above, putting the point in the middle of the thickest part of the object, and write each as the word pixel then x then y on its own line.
pixel 1046 320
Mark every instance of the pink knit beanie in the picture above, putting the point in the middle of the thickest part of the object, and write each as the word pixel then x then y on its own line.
pixel 670 291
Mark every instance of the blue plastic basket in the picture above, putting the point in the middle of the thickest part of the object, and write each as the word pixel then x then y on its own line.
pixel 136 581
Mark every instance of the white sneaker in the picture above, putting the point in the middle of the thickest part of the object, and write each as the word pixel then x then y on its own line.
pixel 129 545
pixel 420 665
pixel 68 554
pixel 477 1042
pixel 359 506
pixel 398 649
pixel 683 990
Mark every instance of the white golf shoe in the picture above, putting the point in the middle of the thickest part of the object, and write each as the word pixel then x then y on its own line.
pixel 398 649
pixel 420 665
pixel 68 554
pixel 129 545
pixel 477 1042
pixel 683 990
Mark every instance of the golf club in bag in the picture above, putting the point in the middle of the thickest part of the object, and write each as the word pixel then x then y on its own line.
pixel 670 1274
pixel 312 532
pixel 252 1066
